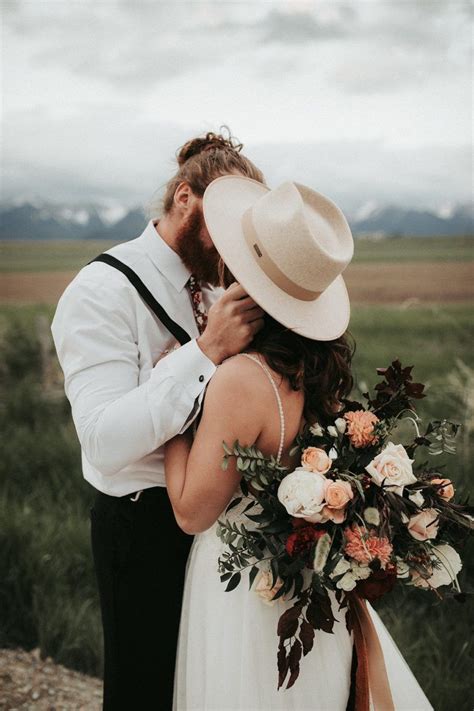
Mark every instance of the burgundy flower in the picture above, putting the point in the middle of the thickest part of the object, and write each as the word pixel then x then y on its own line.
pixel 302 539
pixel 379 583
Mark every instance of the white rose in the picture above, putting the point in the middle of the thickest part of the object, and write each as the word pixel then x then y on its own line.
pixel 341 424
pixel 450 565
pixel 332 431
pixel 332 454
pixel 417 498
pixel 302 494
pixel 393 467
pixel 317 430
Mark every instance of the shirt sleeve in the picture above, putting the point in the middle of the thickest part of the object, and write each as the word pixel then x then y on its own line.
pixel 118 420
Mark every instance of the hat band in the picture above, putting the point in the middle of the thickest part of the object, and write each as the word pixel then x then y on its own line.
pixel 267 264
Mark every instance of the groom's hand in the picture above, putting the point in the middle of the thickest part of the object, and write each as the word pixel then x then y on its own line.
pixel 232 322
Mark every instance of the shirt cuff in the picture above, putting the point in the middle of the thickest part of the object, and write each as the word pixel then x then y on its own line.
pixel 191 368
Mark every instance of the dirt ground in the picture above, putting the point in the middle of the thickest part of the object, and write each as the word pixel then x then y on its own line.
pixel 388 283
pixel 27 682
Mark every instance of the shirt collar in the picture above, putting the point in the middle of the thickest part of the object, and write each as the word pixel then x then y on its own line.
pixel 164 258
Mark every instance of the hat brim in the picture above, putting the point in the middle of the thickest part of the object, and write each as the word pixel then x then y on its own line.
pixel 225 200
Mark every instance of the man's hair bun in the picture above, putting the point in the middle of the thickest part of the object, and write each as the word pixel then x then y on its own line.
pixel 209 142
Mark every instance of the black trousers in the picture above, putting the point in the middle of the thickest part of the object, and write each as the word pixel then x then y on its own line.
pixel 140 556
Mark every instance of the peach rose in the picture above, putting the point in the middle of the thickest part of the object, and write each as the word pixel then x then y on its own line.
pixel 424 525
pixel 337 495
pixel 392 468
pixel 316 460
pixel 360 427
pixel 264 587
pixel 446 491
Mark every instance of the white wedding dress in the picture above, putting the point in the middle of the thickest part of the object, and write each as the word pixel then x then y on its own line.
pixel 227 647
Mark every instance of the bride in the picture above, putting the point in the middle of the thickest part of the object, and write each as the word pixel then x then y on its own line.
pixel 287 247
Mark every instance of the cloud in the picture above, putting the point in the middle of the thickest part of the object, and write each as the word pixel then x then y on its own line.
pixel 98 95
pixel 91 158
pixel 132 44
pixel 299 28
pixel 137 45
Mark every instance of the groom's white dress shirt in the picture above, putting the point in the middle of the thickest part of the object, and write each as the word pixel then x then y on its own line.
pixel 126 402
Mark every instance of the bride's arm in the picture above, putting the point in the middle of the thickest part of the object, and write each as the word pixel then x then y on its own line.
pixel 198 488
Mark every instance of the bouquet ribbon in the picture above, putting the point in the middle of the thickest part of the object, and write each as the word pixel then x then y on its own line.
pixel 371 675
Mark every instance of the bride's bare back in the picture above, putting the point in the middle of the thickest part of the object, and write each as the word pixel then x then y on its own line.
pixel 240 403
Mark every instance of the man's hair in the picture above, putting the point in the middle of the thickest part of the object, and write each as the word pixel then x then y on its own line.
pixel 200 161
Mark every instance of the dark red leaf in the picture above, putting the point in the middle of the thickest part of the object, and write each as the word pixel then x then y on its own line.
pixel 349 620
pixel 283 663
pixel 319 612
pixel 294 658
pixel 306 635
pixel 288 623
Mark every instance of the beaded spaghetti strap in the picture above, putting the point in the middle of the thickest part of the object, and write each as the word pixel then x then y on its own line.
pixel 280 406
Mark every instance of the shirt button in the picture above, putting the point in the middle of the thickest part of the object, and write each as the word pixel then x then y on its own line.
pixel 201 378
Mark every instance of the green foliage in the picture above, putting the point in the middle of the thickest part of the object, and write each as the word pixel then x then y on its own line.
pixel 48 596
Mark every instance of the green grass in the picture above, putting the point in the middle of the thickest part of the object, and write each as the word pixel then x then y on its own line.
pixel 71 256
pixel 51 256
pixel 414 249
pixel 47 589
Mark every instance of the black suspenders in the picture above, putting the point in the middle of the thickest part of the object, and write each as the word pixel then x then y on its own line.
pixel 174 328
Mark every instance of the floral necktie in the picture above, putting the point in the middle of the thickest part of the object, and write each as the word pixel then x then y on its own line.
pixel 200 313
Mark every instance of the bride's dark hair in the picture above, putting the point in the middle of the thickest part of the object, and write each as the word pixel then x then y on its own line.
pixel 322 369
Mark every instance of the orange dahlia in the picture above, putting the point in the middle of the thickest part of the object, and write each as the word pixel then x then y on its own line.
pixel 360 427
pixel 364 545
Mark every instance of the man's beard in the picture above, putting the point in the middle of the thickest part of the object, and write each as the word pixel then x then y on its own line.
pixel 202 261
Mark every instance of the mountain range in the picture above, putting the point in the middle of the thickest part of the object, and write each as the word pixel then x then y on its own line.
pixel 37 220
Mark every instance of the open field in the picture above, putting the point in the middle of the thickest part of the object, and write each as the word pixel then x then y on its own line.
pixel 390 271
pixel 368 283
pixel 71 256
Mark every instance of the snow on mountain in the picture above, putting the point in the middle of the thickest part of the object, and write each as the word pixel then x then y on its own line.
pixel 109 219
pixel 39 220
pixel 365 210
pixel 396 220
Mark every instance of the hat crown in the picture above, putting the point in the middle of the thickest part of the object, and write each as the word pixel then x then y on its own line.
pixel 303 233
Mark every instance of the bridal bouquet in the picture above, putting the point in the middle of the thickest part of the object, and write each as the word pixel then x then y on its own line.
pixel 360 515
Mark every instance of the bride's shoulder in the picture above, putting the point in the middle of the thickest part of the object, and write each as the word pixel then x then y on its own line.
pixel 238 377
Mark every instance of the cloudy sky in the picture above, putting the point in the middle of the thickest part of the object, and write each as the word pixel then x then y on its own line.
pixel 367 100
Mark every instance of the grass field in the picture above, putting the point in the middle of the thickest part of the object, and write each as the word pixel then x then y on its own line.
pixel 392 271
pixel 71 256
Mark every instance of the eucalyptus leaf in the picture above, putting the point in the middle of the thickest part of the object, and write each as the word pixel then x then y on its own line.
pixel 252 575
pixel 233 582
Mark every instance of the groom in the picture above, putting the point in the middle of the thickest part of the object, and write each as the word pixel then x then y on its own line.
pixel 132 387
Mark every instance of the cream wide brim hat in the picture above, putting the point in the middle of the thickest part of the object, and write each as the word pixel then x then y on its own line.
pixel 227 200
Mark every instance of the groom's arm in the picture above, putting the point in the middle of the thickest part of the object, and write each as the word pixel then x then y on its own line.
pixel 117 420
